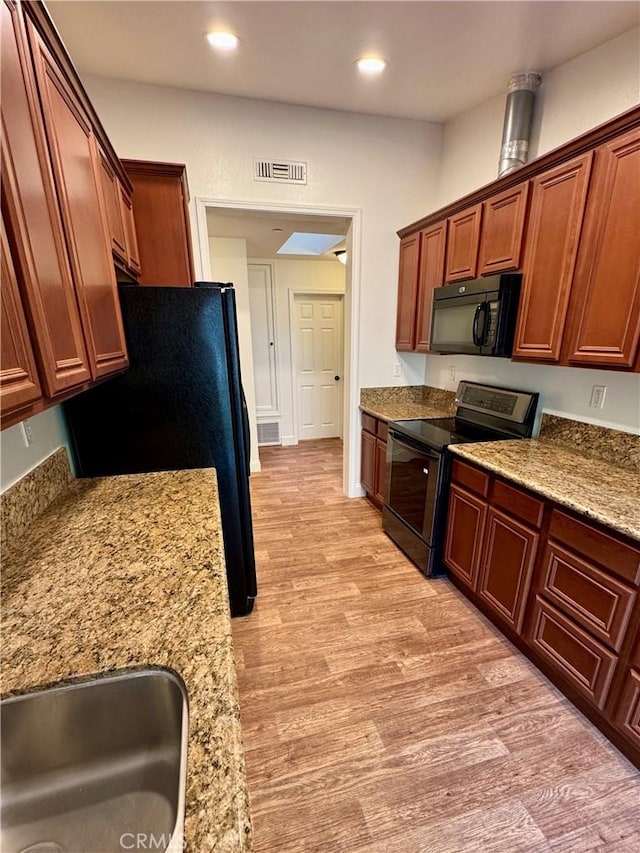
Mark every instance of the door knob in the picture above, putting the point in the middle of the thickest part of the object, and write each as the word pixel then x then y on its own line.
pixel 337 378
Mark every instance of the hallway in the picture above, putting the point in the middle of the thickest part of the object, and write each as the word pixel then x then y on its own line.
pixel 382 713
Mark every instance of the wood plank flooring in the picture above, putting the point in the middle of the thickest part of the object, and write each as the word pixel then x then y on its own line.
pixel 382 713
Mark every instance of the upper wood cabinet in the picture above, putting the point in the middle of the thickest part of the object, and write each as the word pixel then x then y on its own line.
pixel 558 199
pixel 32 219
pixel 19 383
pixel 407 292
pixel 503 220
pixel 161 211
pixel 111 195
pixel 77 175
pixel 131 238
pixel 431 275
pixel 462 244
pixel 421 270
pixel 604 323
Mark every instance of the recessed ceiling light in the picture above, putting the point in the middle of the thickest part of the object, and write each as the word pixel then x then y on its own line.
pixel 223 41
pixel 371 65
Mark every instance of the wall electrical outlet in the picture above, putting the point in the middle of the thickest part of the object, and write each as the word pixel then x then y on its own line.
pixel 397 369
pixel 452 374
pixel 27 434
pixel 598 393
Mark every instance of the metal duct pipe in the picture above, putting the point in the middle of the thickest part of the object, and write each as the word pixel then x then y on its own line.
pixel 518 116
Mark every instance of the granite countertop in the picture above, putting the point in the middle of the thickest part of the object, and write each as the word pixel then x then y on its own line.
pixel 409 410
pixel 127 571
pixel 582 482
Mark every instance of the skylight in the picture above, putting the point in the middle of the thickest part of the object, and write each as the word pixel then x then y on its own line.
pixel 303 243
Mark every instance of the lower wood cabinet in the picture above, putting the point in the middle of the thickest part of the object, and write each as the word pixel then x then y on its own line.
pixel 564 589
pixel 373 462
pixel 507 565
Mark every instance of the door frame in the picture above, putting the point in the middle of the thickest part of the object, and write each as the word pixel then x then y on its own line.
pixel 293 292
pixel 351 314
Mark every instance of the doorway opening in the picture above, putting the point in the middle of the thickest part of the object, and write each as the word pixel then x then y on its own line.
pixel 297 317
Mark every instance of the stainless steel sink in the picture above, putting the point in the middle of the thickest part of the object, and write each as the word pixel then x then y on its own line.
pixel 95 767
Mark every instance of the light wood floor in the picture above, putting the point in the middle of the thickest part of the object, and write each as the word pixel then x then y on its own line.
pixel 382 713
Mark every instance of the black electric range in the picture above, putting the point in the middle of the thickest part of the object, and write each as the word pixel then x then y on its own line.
pixel 418 465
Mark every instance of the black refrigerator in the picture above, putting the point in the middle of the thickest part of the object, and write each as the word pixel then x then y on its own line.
pixel 179 405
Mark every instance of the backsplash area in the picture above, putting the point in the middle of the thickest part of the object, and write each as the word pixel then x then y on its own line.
pixel 615 446
pixel 30 496
pixel 378 398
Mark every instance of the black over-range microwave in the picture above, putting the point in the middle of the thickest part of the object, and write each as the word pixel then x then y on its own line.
pixel 476 317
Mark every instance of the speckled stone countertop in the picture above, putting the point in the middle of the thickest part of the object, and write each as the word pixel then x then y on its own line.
pixel 583 482
pixel 407 402
pixel 124 571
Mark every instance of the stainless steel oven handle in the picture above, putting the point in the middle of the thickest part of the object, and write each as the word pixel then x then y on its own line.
pixel 417 447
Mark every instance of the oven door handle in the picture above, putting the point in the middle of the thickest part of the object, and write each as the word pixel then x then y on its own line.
pixel 425 451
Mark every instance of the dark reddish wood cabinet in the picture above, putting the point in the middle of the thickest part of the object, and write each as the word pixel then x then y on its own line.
pixel 465 532
pixel 503 221
pixel 408 266
pixel 463 244
pixel 161 212
pixel 507 566
pixel 431 275
pixel 113 209
pixel 77 177
pixel 604 322
pixel 565 590
pixel 558 199
pixel 32 219
pixel 132 257
pixel 373 461
pixel 19 383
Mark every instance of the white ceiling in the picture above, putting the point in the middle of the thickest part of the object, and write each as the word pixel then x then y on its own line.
pixel 262 241
pixel 444 56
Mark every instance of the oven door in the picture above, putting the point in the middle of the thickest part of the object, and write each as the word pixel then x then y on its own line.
pixel 414 475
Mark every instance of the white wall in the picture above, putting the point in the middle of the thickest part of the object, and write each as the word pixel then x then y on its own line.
pixel 49 433
pixel 572 99
pixel 229 263
pixel 290 275
pixel 384 168
pixel 564 391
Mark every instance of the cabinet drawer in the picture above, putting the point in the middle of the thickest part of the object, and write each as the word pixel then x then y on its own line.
pixel 518 503
pixel 598 602
pixel 612 553
pixel 583 661
pixel 382 430
pixel 472 478
pixel 627 716
pixel 369 423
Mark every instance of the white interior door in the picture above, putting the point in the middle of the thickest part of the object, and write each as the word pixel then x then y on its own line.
pixel 317 336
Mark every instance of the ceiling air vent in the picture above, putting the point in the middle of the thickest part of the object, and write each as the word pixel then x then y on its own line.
pixel 268 433
pixel 280 171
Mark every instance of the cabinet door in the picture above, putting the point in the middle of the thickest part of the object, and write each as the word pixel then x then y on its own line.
pixel 161 212
pixel 462 244
pixel 628 713
pixel 368 462
pixel 407 292
pixel 132 253
pixel 465 529
pixel 605 317
pixel 558 200
pixel 32 215
pixel 507 566
pixel 380 495
pixel 111 196
pixel 19 384
pixel 76 170
pixel 432 248
pixel 503 221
